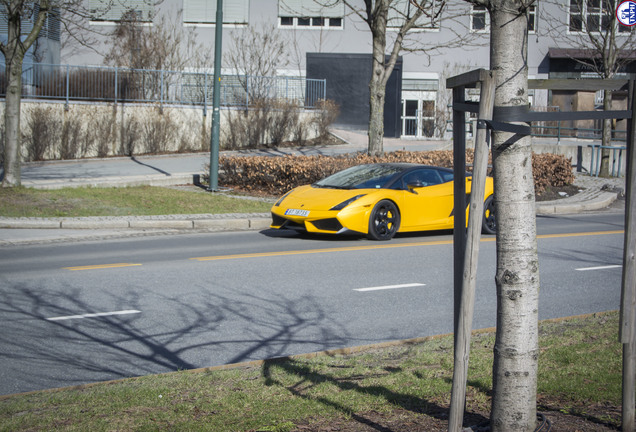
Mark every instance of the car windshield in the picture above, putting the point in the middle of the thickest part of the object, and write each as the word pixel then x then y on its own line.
pixel 360 177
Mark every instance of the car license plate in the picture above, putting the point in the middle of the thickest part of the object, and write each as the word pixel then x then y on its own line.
pixel 296 212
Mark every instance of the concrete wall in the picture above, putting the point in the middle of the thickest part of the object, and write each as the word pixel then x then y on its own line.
pixel 54 131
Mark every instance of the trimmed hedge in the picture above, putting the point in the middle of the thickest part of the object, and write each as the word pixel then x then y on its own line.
pixel 277 175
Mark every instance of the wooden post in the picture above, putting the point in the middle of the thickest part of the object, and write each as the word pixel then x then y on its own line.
pixel 471 255
pixel 459 191
pixel 628 294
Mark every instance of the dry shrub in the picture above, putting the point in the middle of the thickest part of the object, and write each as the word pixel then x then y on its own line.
pixel 277 175
pixel 551 170
pixel 272 122
pixel 71 142
pixel 235 135
pixel 328 113
pixel 157 132
pixel 131 134
pixel 43 129
pixel 101 132
pixel 284 117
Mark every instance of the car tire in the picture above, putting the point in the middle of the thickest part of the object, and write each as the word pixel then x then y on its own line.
pixel 489 223
pixel 384 221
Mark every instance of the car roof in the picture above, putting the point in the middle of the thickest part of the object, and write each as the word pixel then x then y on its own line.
pixel 410 165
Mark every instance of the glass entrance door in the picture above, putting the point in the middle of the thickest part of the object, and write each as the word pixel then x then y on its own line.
pixel 410 120
pixel 418 117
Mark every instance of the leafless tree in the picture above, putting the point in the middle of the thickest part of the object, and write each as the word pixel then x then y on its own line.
pixel 18 12
pixel 165 45
pixel 25 20
pixel 517 276
pixel 257 52
pixel 376 15
pixel 402 17
pixel 605 46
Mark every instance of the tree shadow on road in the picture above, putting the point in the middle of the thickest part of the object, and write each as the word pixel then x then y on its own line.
pixel 199 329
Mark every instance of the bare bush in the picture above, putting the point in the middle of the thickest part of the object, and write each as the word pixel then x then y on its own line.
pixel 42 132
pixel 158 132
pixel 301 131
pixel 71 140
pixel 131 132
pixel 272 122
pixel 100 133
pixel 187 144
pixel 328 113
pixel 235 134
pixel 282 120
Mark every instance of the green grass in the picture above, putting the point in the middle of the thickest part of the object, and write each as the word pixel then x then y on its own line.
pixel 128 201
pixel 580 367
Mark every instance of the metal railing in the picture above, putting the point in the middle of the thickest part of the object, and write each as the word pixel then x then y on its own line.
pixel 118 85
pixel 555 128
pixel 616 159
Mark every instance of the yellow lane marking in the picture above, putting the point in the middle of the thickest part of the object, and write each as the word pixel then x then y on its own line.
pixel 101 266
pixel 546 236
pixel 326 250
pixel 374 247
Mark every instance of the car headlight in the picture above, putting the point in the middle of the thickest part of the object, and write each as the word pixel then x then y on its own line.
pixel 281 199
pixel 346 203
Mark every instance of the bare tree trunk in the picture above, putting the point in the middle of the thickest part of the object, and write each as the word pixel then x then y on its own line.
pixel 517 278
pixel 607 135
pixel 377 85
pixel 12 122
pixel 14 51
pixel 377 89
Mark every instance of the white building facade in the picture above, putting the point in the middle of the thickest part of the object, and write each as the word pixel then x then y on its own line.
pixel 458 41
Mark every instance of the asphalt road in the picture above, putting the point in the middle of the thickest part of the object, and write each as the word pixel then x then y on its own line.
pixel 82 312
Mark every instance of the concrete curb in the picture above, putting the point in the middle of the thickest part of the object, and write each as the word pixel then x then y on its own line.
pixel 599 201
pixel 116 181
pixel 237 223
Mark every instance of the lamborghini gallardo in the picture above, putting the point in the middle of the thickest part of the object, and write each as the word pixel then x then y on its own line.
pixel 378 200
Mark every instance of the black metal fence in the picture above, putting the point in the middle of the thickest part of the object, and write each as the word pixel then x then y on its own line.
pixel 106 84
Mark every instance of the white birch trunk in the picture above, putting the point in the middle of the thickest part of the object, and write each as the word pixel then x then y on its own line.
pixel 517 278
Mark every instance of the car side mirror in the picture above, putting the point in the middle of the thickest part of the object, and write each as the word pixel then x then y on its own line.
pixel 416 184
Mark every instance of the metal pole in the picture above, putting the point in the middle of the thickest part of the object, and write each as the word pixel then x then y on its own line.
pixel 205 94
pixel 628 292
pixel 68 78
pixel 216 116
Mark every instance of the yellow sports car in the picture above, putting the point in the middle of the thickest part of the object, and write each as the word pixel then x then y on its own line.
pixel 378 200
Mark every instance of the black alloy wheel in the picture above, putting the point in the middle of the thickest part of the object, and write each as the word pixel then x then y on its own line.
pixel 489 223
pixel 384 221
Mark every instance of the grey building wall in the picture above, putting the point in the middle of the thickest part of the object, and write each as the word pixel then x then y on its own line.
pixel 445 54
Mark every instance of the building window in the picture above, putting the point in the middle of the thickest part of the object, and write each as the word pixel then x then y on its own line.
pixel 532 19
pixel 591 16
pixel 204 12
pixel 479 19
pixel 310 22
pixel 115 11
pixel 310 13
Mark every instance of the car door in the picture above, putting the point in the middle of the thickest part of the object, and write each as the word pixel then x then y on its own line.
pixel 427 200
